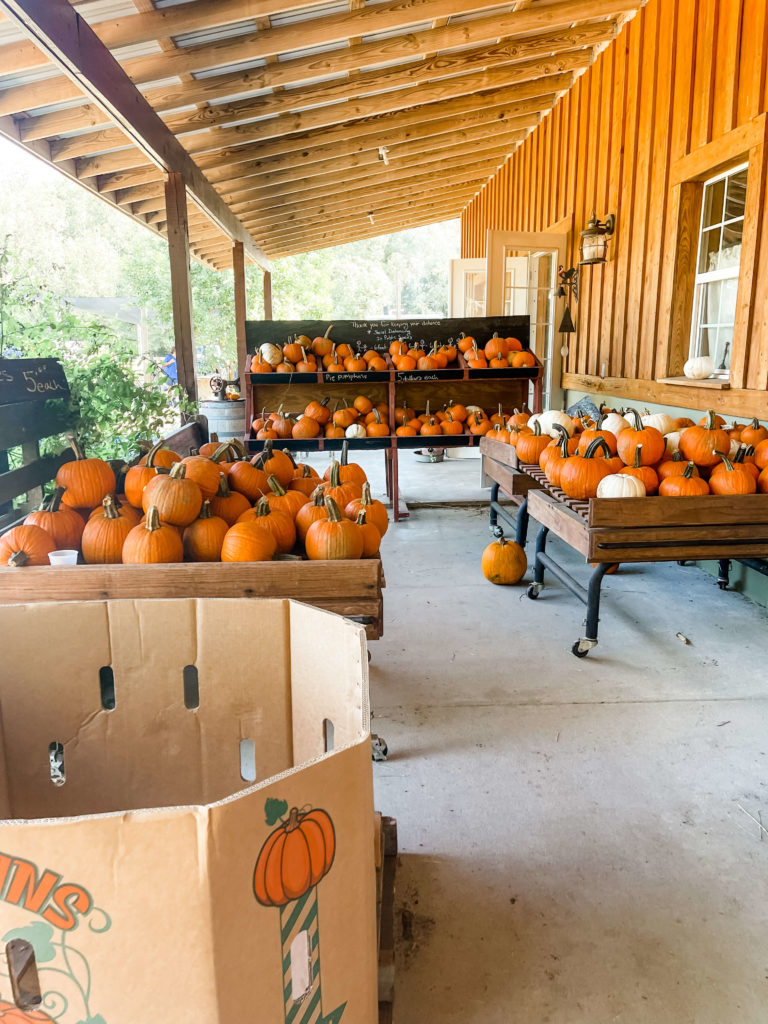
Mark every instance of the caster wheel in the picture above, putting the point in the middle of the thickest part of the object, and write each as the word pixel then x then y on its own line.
pixel 576 649
pixel 722 584
pixel 534 589
pixel 379 748
pixel 497 531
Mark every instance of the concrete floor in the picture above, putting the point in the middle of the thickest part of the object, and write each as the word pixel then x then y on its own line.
pixel 576 845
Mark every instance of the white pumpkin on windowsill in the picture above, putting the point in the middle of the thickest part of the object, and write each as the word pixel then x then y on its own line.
pixel 699 367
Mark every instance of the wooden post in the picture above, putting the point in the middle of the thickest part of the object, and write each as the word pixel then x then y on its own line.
pixel 267 295
pixel 238 269
pixel 181 293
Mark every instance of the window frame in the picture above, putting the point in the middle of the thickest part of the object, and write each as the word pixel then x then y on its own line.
pixel 710 276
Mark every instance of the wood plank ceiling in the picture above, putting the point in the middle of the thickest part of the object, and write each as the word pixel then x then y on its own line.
pixel 317 123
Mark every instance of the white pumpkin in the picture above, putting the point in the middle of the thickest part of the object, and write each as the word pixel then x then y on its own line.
pixel 620 485
pixel 663 423
pixel 271 354
pixel 548 419
pixel 614 423
pixel 356 430
pixel 699 367
pixel 673 441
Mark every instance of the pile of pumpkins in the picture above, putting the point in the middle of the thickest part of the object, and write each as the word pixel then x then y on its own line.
pixel 209 507
pixel 631 456
pixel 363 418
pixel 311 355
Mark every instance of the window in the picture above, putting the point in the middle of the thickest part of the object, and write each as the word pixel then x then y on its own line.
pixel 717 267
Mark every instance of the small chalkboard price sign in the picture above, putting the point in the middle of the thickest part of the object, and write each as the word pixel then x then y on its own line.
pixel 31 380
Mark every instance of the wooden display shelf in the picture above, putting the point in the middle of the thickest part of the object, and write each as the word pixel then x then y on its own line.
pixel 349 588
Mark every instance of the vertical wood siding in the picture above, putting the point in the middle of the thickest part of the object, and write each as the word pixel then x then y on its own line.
pixel 680 75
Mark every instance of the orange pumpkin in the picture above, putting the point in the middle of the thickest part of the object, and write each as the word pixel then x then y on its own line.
pixel 26 545
pixel 63 524
pixel 279 523
pixel 676 466
pixel 274 463
pixel 753 433
pixel 685 485
pixel 370 534
pixel 228 504
pixel 177 499
pixel 295 857
pixel 647 474
pixel 733 480
pixel 333 538
pixel 202 539
pixel 700 444
pixel 581 474
pixel 87 481
pixel 153 542
pixel 248 542
pixel 204 472
pixel 306 427
pixel 349 472
pixel 319 411
pixel 137 477
pixel 651 440
pixel 104 535
pixel 503 562
pixel 306 482
pixel 287 501
pixel 375 511
pixel 530 446
pixel 314 509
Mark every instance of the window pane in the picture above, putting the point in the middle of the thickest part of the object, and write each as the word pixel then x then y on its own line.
pixel 709 308
pixel 714 198
pixel 737 195
pixel 731 251
pixel 709 254
pixel 728 292
pixel 722 350
pixel 707 340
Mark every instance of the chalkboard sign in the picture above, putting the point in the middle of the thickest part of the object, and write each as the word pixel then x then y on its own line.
pixel 31 380
pixel 379 334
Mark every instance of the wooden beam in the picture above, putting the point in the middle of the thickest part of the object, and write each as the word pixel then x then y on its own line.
pixel 241 304
pixel 286 134
pixel 528 57
pixel 286 209
pixel 384 17
pixel 55 26
pixel 267 295
pixel 181 291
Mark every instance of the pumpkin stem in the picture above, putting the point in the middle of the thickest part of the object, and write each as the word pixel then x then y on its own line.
pixel 335 477
pixel 318 496
pixel 55 501
pixel 220 452
pixel 677 456
pixel 711 420
pixel 598 443
pixel 109 505
pixel 153 518
pixel 306 472
pixel 153 452
pixel 290 457
pixel 238 447
pixel 366 498
pixel 564 442
pixel 344 456
pixel 636 416
pixel 688 471
pixel 328 332
pixel 361 517
pixel 726 461
pixel 18 558
pixel 262 507
pixel 205 511
pixel 333 510
pixel 275 486
pixel 638 453
pixel 377 415
pixel 76 447
pixel 537 429
pixel 178 471
pixel 224 490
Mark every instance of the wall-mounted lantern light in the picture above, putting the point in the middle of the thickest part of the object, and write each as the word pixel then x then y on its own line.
pixel 594 239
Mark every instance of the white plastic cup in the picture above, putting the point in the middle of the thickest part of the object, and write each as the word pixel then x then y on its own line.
pixel 67 556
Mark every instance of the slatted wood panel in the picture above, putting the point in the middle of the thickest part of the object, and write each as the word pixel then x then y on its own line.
pixel 685 77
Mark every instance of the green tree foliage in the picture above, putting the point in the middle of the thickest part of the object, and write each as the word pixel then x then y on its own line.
pixel 116 397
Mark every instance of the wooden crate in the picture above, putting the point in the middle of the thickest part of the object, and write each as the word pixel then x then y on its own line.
pixel 500 465
pixel 349 588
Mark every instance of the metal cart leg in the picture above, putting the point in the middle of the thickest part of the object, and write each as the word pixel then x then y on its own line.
pixel 535 588
pixel 493 515
pixel 723 573
pixel 584 645
pixel 521 524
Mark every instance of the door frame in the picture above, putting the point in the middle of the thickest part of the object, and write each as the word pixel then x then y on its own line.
pixel 496 245
pixel 456 306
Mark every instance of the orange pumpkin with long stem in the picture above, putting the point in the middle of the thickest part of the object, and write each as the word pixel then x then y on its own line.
pixel 453 427
pixel 588 436
pixel 647 474
pixel 249 480
pixel 287 501
pixel 86 481
pixel 63 524
pixel 675 466
pixel 370 534
pixel 753 433
pixel 349 472
pixel 530 446
pixel 685 485
pixel 152 542
pixel 379 427
pixel 376 512
pixel 701 444
pixel 274 463
pixel 341 492
pixel 279 523
pixel 314 509
pixel 202 539
pixel 652 441
pixel 137 477
pixel 733 480
pixel 227 504
pixel 741 460
pixel 177 499
pixel 205 471
pixel 306 482
pixel 104 535
pixel 319 411
pixel 581 474
pixel 334 538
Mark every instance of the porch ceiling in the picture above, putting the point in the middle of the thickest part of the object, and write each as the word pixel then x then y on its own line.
pixel 316 123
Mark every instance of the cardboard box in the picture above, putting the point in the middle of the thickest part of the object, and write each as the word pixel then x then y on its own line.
pixel 153 879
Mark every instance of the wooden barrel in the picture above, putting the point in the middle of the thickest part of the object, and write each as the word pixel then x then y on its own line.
pixel 227 419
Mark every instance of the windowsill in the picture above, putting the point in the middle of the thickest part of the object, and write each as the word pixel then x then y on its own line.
pixel 716 383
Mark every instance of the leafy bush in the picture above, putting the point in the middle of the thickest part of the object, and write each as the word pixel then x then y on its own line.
pixel 116 397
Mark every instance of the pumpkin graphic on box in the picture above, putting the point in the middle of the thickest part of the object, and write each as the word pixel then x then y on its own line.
pixel 10 1014
pixel 293 860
